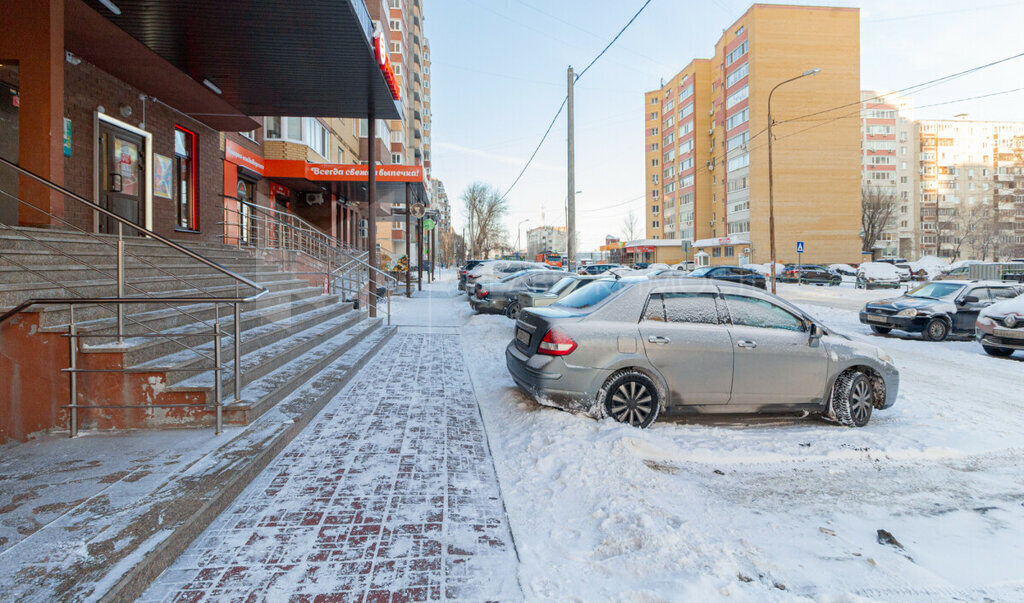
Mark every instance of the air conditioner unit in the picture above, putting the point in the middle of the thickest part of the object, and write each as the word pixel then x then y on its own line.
pixel 314 198
pixel 711 131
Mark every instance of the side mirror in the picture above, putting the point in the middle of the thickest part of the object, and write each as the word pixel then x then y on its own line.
pixel 971 299
pixel 816 333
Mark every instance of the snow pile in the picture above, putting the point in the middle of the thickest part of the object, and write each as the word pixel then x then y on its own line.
pixel 1008 306
pixel 765 268
pixel 844 269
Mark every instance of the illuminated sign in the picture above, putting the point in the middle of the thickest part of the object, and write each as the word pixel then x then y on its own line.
pixel 380 49
pixel 338 172
pixel 240 156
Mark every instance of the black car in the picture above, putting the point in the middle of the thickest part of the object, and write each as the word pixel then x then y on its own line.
pixel 732 274
pixel 470 264
pixel 641 265
pixel 809 273
pixel 936 309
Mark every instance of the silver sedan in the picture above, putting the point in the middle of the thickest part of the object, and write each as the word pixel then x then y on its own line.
pixel 633 347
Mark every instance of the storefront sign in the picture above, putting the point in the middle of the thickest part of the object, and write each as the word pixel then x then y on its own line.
pixel 380 49
pixel 640 249
pixel 337 172
pixel 276 189
pixel 240 156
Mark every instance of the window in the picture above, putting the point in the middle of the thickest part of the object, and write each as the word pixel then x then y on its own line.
pixel 396 158
pixel 685 110
pixel 340 157
pixel 685 147
pixel 686 164
pixel 716 252
pixel 251 135
pixel 684 93
pixel 694 308
pixel 395 47
pixel 185 179
pixel 740 161
pixel 736 97
pixel 730 252
pixel 318 138
pixel 685 128
pixel 737 118
pixel 686 181
pixel 736 53
pixel 738 140
pixel 654 210
pixel 738 74
pixel 395 24
pixel 753 312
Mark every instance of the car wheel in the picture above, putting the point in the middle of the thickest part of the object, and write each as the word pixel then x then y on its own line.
pixel 835 282
pixel 881 330
pixel 512 309
pixel 632 398
pixel 935 330
pixel 860 285
pixel 999 352
pixel 852 399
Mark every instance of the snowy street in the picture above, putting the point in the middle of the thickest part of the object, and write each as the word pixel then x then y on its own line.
pixel 923 504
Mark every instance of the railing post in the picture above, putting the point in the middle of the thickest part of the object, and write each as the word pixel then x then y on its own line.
pixel 217 369
pixel 120 282
pixel 389 308
pixel 330 280
pixel 73 356
pixel 238 353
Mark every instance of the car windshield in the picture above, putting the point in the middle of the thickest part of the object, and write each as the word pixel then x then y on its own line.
pixel 585 297
pixel 512 276
pixel 701 271
pixel 936 290
pixel 561 285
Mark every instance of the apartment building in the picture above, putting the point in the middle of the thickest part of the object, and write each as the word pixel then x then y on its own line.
pixel 889 169
pixel 706 156
pixel 971 188
pixel 545 238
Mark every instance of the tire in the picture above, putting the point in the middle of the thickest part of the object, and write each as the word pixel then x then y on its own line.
pixel 935 330
pixel 861 285
pixel 835 282
pixel 881 330
pixel 631 397
pixel 512 309
pixel 997 352
pixel 852 399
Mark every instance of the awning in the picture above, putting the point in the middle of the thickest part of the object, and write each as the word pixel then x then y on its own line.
pixel 266 57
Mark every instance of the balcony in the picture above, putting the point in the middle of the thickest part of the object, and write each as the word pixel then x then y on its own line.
pixel 1004 177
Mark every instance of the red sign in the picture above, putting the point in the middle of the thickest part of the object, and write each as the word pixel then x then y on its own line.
pixel 276 189
pixel 380 49
pixel 338 172
pixel 641 249
pixel 240 156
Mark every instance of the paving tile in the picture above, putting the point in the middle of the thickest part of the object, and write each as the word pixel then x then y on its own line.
pixel 389 495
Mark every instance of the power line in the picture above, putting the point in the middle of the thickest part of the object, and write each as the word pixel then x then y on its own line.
pixel 566 99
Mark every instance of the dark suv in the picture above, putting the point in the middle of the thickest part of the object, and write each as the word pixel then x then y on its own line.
pixel 937 309
pixel 809 273
pixel 732 274
pixel 470 264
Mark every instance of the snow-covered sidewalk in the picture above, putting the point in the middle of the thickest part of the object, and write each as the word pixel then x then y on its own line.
pixel 390 494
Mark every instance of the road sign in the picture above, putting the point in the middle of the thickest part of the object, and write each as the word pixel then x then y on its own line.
pixel 428 224
pixel 799 246
pixel 417 210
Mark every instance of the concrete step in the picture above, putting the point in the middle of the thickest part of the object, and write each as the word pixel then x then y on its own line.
pixel 34 238
pixel 57 317
pixel 259 328
pixel 13 294
pixel 108 256
pixel 71 273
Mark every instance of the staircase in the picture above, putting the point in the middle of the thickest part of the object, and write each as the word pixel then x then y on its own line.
pixel 160 373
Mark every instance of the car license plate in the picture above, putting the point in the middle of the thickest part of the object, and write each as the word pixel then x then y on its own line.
pixel 522 336
pixel 1009 333
pixel 873 318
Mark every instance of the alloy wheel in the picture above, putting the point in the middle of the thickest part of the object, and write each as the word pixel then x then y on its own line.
pixel 860 401
pixel 631 403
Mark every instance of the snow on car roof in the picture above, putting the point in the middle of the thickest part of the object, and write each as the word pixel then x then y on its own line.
pixel 879 270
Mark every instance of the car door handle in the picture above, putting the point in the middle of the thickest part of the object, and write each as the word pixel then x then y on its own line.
pixel 658 339
pixel 746 343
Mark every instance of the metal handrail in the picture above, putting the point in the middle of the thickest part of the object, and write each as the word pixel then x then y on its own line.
pixel 120 300
pixel 305 226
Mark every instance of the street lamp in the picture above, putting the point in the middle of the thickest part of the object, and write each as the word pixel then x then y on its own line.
pixel 519 233
pixel 771 197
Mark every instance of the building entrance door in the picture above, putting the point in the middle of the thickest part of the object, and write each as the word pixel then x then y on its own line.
pixel 8 150
pixel 122 177
pixel 246 195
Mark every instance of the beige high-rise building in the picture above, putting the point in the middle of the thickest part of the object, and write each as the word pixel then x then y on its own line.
pixel 889 169
pixel 706 159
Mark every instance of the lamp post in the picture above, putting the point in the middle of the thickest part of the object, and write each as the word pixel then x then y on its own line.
pixel 519 234
pixel 771 196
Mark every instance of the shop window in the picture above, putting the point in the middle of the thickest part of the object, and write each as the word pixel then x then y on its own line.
pixel 716 252
pixel 187 210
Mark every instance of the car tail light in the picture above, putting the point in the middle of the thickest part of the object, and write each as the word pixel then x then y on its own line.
pixel 556 343
pixel 482 293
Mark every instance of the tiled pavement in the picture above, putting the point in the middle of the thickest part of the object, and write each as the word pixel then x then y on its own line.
pixel 389 495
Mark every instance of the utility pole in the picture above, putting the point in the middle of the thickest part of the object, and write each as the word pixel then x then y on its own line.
pixel 570 220
pixel 408 235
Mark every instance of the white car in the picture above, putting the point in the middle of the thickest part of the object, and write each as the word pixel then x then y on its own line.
pixel 875 275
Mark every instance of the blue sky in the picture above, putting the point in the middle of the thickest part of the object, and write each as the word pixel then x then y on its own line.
pixel 498 75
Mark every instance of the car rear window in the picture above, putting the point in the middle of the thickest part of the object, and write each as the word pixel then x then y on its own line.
pixel 585 297
pixel 562 284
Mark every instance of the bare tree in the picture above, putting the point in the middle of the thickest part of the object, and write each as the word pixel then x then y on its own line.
pixel 958 226
pixel 878 206
pixel 985 239
pixel 485 210
pixel 631 226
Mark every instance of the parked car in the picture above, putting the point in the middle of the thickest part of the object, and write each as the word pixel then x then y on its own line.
pixel 902 265
pixel 469 265
pixel 633 347
pixel 877 275
pixel 597 268
pixel 685 266
pixel 641 265
pixel 500 296
pixel 843 269
pixel 496 269
pixel 936 309
pixel 809 273
pixel 732 274
pixel 1000 327
pixel 532 299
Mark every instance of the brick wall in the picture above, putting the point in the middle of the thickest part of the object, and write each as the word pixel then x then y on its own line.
pixel 86 88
